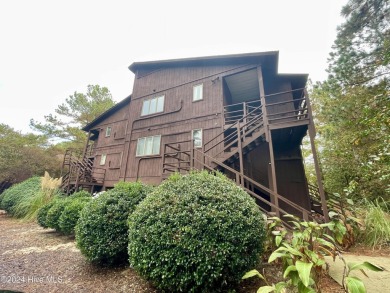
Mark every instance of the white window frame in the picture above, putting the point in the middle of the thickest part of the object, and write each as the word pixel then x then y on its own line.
pixel 108 131
pixel 147 106
pixel 148 149
pixel 103 159
pixel 197 92
pixel 199 145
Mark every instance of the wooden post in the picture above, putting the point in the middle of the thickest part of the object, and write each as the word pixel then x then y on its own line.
pixel 312 134
pixel 244 120
pixel 192 154
pixel 86 144
pixel 268 138
pixel 240 154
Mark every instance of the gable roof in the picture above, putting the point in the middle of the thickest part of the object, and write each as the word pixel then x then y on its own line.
pixel 108 113
pixel 269 60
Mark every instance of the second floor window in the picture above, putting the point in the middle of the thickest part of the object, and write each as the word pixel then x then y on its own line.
pixel 147 146
pixel 152 106
pixel 108 131
pixel 198 92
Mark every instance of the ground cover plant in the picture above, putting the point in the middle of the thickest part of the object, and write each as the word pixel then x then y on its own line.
pixel 195 233
pixel 101 231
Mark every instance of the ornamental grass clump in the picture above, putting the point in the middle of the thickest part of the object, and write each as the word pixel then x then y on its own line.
pixel 196 233
pixel 14 198
pixel 101 231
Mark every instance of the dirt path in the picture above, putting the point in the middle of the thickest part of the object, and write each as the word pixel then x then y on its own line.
pixel 33 259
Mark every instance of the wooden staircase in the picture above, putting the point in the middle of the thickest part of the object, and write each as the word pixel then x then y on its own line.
pixel 80 174
pixel 245 132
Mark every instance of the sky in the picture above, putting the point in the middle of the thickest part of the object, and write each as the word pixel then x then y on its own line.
pixel 50 49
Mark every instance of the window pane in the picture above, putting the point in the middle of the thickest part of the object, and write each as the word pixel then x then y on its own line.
pixel 108 131
pixel 149 145
pixel 153 106
pixel 197 136
pixel 141 146
pixel 145 108
pixel 160 104
pixel 103 159
pixel 156 144
pixel 198 92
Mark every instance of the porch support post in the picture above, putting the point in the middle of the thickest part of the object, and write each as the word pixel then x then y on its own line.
pixel 312 134
pixel 240 155
pixel 268 137
pixel 86 144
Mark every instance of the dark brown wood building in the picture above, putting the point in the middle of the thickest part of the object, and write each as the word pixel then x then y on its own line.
pixel 234 113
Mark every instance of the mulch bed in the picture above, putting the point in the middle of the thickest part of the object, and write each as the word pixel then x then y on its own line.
pixel 33 259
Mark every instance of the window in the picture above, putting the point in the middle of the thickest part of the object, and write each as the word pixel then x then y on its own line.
pixel 148 146
pixel 198 92
pixel 108 131
pixel 103 159
pixel 152 106
pixel 197 137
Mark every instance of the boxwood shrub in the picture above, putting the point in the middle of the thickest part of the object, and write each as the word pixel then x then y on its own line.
pixel 71 214
pixel 42 214
pixel 101 231
pixel 54 213
pixel 196 233
pixel 62 212
pixel 18 193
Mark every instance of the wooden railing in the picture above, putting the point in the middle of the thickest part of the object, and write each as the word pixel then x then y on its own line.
pixel 245 124
pixel 236 133
pixel 292 110
pixel 234 112
pixel 77 173
pixel 196 157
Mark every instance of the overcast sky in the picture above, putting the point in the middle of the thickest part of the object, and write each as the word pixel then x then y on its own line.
pixel 50 49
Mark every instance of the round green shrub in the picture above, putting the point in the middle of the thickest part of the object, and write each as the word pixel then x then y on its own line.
pixel 71 213
pixel 19 193
pixel 42 214
pixel 196 233
pixel 101 231
pixel 54 213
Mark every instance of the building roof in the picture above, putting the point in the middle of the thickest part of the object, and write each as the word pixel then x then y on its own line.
pixel 108 113
pixel 269 60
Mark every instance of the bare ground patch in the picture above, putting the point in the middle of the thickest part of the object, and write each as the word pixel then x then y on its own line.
pixel 33 259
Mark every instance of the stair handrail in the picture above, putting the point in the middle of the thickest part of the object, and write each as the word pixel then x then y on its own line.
pixel 305 213
pixel 236 125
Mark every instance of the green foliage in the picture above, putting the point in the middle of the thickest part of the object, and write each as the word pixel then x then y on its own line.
pixel 102 231
pixel 376 232
pixel 302 255
pixel 71 213
pixel 61 213
pixel 77 111
pixel 13 197
pixel 352 107
pixel 345 218
pixel 361 52
pixel 196 232
pixel 54 213
pixel 353 284
pixel 354 138
pixel 42 214
pixel 25 155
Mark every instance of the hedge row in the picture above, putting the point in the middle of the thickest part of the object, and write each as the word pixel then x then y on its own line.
pixel 62 213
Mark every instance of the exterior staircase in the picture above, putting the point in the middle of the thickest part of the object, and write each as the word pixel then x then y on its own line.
pixel 80 174
pixel 244 130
